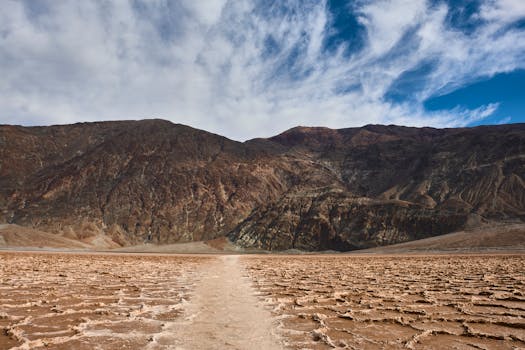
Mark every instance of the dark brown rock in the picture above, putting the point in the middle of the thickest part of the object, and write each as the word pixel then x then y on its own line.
pixel 307 188
pixel 335 221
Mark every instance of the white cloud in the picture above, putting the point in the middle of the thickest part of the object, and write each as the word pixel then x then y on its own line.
pixel 387 21
pixel 503 10
pixel 223 66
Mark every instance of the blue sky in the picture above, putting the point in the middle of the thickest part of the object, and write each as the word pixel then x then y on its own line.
pixel 248 69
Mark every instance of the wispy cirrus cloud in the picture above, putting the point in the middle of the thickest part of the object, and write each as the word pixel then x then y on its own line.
pixel 249 68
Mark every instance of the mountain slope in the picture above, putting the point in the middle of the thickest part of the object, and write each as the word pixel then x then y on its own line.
pixel 147 178
pixel 399 184
pixel 307 188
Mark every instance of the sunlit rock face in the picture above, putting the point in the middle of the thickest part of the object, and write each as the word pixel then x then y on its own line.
pixel 393 184
pixel 307 188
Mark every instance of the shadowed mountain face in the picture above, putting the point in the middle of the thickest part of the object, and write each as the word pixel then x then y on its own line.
pixel 307 188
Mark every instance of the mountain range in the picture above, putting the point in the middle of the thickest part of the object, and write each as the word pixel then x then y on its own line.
pixel 308 188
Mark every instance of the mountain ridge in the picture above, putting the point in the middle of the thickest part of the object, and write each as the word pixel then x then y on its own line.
pixel 341 189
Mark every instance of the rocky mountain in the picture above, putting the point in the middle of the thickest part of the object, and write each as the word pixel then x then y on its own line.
pixel 307 188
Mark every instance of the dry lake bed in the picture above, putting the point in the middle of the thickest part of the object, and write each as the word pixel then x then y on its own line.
pixel 139 301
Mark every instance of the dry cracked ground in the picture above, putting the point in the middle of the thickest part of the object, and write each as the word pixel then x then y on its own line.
pixel 117 301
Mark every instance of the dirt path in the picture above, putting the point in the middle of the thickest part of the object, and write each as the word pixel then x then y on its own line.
pixel 224 313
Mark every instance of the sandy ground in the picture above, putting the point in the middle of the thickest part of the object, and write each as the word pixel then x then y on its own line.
pixel 215 246
pixel 145 301
pixel 501 238
pixel 177 248
pixel 15 237
pixel 507 238
pixel 224 312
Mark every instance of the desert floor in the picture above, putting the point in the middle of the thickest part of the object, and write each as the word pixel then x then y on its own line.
pixel 138 301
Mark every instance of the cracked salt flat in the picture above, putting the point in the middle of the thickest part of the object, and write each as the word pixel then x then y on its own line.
pixel 115 301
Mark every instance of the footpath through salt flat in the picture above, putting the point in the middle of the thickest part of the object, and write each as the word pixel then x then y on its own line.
pixel 224 313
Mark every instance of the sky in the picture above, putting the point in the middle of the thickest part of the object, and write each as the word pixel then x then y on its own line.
pixel 254 68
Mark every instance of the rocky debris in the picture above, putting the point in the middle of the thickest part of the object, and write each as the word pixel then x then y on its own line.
pixel 307 188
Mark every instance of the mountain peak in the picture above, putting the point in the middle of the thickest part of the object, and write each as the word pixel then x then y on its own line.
pixel 308 187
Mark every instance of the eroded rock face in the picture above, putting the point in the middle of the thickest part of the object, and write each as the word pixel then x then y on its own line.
pixel 307 188
pixel 175 182
pixel 399 184
pixel 334 221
